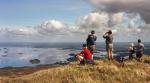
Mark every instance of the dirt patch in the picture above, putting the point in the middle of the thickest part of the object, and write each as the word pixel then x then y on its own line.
pixel 18 72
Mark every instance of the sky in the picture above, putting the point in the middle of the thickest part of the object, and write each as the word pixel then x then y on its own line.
pixel 32 12
pixel 72 20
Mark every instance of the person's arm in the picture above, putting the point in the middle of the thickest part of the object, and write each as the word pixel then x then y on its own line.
pixel 105 35
pixel 95 38
pixel 135 48
pixel 87 38
pixel 81 53
pixel 143 47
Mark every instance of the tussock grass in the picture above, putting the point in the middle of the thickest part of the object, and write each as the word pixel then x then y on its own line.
pixel 103 71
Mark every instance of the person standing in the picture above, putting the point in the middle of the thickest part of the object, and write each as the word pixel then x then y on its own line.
pixel 139 50
pixel 91 41
pixel 109 43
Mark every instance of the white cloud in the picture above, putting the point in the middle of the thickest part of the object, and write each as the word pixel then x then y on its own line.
pixel 126 25
pixel 22 31
pixel 17 30
pixel 101 21
pixel 115 19
pixel 52 27
pixel 93 20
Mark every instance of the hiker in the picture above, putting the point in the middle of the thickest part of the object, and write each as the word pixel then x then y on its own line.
pixel 91 42
pixel 131 50
pixel 85 55
pixel 109 43
pixel 139 50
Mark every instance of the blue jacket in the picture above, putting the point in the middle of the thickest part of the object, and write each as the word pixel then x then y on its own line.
pixel 91 40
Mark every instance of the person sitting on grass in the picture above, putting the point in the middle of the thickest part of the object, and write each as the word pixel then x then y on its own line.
pixel 131 50
pixel 139 50
pixel 84 56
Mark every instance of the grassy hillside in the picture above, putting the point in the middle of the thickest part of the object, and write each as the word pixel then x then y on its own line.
pixel 103 71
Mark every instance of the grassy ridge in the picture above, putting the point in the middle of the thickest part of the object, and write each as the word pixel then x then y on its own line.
pixel 103 71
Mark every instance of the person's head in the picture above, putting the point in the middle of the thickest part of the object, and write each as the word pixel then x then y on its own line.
pixel 84 46
pixel 92 32
pixel 110 32
pixel 139 41
pixel 132 44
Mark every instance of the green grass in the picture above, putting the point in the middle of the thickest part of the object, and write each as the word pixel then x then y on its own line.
pixel 103 71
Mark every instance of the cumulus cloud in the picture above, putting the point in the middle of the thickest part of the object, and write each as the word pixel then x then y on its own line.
pixel 129 26
pixel 104 21
pixel 22 31
pixel 93 20
pixel 129 19
pixel 124 25
pixel 129 6
pixel 17 30
pixel 51 27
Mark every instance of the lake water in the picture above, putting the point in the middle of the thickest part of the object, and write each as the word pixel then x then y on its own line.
pixel 20 54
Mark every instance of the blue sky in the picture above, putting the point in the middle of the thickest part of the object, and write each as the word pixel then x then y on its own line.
pixel 33 12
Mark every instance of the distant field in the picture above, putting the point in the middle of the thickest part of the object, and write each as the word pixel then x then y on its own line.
pixel 103 71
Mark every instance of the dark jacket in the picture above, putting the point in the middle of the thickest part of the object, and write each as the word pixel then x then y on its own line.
pixel 91 40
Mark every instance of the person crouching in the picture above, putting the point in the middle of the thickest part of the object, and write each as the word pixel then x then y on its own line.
pixel 85 56
pixel 131 50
